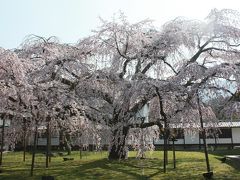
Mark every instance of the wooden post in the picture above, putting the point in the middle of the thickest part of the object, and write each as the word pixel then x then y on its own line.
pixel 34 150
pixel 209 173
pixel 165 147
pixel 2 143
pixel 174 155
pixel 199 135
pixel 24 146
pixel 205 150
pixel 215 140
pixel 231 137
pixel 184 141
pixel 24 139
pixel 80 148
pixel 48 145
pixel 80 151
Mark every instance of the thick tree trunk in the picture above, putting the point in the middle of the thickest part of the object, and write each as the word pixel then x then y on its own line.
pixel 166 132
pixel 118 149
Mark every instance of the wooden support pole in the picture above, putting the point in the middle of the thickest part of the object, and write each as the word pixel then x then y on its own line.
pixel 2 141
pixel 209 173
pixel 34 150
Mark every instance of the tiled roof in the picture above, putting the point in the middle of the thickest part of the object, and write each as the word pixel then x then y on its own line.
pixel 207 125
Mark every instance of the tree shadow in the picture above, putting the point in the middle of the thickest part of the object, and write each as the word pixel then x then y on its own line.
pixel 100 169
pixel 131 168
pixel 233 162
pixel 125 169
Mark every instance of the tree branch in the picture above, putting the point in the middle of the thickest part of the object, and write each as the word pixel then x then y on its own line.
pixel 145 125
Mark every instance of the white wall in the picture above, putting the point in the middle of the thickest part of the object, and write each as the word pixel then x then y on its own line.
pixel 144 112
pixel 161 141
pixel 7 122
pixel 43 141
pixel 179 141
pixel 219 141
pixel 236 135
pixel 191 137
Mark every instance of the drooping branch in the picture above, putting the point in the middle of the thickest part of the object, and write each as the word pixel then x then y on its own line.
pixel 169 65
pixel 146 124
pixel 220 49
pixel 148 66
pixel 199 52
pixel 219 89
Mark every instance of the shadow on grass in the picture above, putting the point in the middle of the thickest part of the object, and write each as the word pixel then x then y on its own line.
pixel 235 163
pixel 100 169
pixel 190 165
pixel 220 154
pixel 127 169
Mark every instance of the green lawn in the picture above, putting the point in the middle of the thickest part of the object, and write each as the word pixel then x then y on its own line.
pixel 94 165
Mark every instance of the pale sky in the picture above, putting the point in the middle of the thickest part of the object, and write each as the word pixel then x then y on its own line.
pixel 71 20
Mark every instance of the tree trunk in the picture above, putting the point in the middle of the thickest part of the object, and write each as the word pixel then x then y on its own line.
pixel 166 131
pixel 118 149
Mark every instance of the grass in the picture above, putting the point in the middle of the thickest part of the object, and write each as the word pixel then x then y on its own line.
pixel 94 165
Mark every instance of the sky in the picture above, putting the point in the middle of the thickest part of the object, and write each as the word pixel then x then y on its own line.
pixel 71 20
